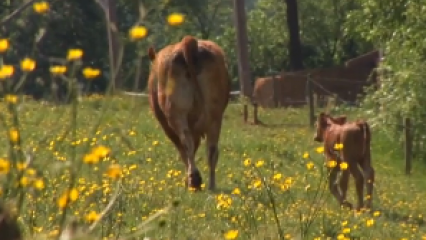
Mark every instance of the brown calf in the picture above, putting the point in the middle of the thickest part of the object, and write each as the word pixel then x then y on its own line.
pixel 355 137
pixel 189 90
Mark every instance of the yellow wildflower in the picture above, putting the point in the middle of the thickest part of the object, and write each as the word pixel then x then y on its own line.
pixel 277 176
pixel 260 163
pixel 58 69
pixel 4 45
pixel 231 234
pixel 41 7
pixel 344 166
pixel 74 54
pixel 236 191
pixel 376 213
pixel 63 201
pixel 6 71
pixel 24 181
pixel 370 222
pixel 21 166
pixel 101 151
pixel 4 166
pixel 92 216
pixel 91 158
pixel 309 165
pixel 338 146
pixel 28 65
pixel 257 183
pixel 319 149
pixel 175 19
pixel 247 162
pixel 306 155
pixel 114 171
pixel 14 135
pixel 90 73
pixel 39 184
pixel 9 98
pixel 138 32
pixel 331 164
pixel 73 194
pixel 31 171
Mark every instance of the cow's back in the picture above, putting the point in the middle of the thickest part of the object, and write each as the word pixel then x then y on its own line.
pixel 169 82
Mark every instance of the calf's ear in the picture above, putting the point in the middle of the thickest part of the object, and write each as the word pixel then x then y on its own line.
pixel 340 120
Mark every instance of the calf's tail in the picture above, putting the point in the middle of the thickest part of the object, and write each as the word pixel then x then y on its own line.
pixel 365 128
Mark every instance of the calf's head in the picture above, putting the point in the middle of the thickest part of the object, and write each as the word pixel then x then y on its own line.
pixel 324 121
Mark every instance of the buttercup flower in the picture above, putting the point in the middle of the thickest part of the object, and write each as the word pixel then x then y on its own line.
pixel 28 65
pixel 138 32
pixel 4 45
pixel 41 7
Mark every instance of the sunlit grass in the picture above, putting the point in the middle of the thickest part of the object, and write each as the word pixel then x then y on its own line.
pixel 103 164
pixel 265 179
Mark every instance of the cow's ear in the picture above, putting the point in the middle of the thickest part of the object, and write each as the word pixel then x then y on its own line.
pixel 151 53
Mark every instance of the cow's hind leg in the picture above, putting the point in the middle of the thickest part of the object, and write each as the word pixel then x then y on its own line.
pixel 212 142
pixel 197 140
pixel 180 124
pixel 161 118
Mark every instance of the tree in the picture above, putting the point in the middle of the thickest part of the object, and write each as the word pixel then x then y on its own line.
pixel 295 47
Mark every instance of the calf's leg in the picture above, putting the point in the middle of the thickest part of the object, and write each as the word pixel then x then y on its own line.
pixel 344 180
pixel 369 175
pixel 359 184
pixel 332 184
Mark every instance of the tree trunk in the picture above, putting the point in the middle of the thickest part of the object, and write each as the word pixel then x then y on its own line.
pixel 114 41
pixel 109 8
pixel 295 48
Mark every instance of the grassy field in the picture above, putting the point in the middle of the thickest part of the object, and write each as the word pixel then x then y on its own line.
pixel 269 188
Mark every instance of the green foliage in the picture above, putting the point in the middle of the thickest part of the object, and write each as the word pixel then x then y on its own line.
pixel 396 27
pixel 81 24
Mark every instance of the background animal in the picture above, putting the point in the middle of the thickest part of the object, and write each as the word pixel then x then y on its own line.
pixel 346 81
pixel 189 90
pixel 355 137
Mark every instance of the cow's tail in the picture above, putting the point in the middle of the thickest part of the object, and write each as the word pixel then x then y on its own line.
pixel 365 128
pixel 190 54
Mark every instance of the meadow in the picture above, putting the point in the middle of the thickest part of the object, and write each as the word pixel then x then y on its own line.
pixel 271 179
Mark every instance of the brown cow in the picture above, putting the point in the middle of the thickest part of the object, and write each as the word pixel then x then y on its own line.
pixel 346 81
pixel 355 137
pixel 189 90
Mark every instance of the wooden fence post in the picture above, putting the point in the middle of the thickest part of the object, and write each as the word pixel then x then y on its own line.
pixel 408 145
pixel 255 118
pixel 245 112
pixel 310 101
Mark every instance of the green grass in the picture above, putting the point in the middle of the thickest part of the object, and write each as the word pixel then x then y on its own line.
pixel 153 178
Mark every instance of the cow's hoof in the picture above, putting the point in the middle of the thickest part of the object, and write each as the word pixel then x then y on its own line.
pixel 195 180
pixel 347 205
